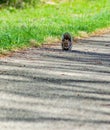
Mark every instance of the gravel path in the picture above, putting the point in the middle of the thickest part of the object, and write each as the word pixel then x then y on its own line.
pixel 50 89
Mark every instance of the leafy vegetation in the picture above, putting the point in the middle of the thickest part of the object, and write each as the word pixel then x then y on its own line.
pixel 31 26
pixel 18 3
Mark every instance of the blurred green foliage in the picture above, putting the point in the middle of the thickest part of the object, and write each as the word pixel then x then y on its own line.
pixel 19 3
pixel 31 26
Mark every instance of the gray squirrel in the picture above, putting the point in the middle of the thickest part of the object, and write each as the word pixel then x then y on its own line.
pixel 67 41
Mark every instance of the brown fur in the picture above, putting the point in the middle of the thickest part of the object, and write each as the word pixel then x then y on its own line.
pixel 66 41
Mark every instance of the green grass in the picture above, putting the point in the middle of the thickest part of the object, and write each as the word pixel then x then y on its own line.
pixel 18 27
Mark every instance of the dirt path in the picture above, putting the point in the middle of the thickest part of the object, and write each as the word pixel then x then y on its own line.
pixel 49 89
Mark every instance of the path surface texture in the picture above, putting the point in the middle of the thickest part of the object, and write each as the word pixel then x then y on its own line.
pixel 50 89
